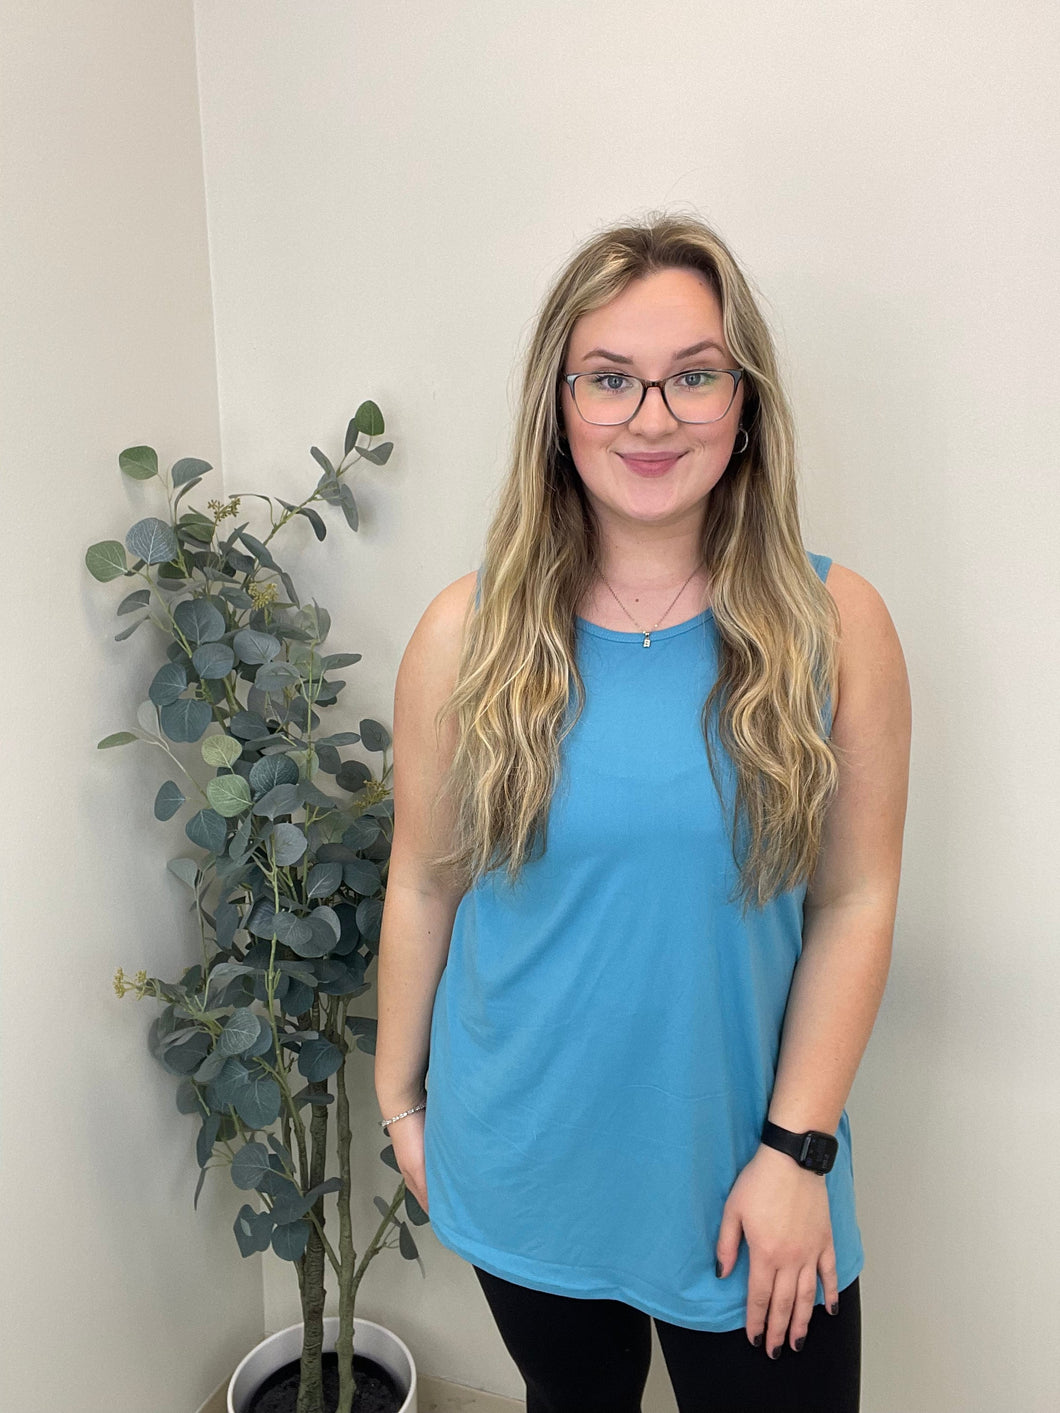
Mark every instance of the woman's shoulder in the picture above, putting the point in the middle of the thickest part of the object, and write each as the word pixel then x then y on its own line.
pixel 434 648
pixel 860 603
pixel 872 668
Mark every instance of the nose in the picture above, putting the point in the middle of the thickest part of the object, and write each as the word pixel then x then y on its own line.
pixel 653 413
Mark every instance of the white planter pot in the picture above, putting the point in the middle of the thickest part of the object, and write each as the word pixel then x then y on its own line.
pixel 375 1341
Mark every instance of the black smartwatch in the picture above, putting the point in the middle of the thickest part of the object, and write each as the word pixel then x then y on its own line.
pixel 812 1149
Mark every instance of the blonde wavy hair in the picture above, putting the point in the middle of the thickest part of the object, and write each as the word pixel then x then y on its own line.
pixel 778 625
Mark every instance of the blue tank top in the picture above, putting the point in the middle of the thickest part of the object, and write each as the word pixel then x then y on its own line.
pixel 605 1033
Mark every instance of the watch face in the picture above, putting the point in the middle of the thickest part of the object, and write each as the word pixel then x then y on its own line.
pixel 818 1151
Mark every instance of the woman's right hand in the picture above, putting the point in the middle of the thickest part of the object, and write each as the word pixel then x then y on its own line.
pixel 407 1138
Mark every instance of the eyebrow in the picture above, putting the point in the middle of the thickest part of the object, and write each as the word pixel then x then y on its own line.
pixel 681 352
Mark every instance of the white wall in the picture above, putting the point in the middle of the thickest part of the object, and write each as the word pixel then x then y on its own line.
pixel 389 188
pixel 117 1297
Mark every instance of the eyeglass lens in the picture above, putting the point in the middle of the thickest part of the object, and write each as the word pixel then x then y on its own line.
pixel 702 395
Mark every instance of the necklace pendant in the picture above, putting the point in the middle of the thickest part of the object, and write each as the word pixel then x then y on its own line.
pixel 647 641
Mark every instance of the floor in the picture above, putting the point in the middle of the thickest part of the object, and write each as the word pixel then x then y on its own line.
pixel 434 1396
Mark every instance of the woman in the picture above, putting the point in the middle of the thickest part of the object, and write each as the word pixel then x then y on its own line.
pixel 650 786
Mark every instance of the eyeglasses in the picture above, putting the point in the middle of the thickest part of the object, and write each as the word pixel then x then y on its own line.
pixel 698 395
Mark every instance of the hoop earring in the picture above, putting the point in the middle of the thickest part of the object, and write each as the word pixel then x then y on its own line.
pixel 739 450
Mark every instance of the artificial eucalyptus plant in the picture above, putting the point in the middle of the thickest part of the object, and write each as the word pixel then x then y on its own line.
pixel 291 843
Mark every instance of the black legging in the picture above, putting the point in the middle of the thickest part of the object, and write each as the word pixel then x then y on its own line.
pixel 592 1356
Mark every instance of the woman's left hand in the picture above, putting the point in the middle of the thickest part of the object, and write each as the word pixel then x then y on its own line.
pixel 782 1211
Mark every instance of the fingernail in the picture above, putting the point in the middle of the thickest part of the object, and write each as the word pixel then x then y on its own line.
pixel 717 1268
pixel 757 1341
pixel 834 1307
pixel 800 1342
pixel 776 1352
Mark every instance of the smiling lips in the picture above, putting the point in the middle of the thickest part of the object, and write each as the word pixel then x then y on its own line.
pixel 653 464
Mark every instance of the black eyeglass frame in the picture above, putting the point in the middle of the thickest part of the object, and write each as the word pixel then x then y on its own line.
pixel 735 373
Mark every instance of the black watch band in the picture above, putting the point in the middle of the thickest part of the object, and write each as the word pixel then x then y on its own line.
pixel 813 1149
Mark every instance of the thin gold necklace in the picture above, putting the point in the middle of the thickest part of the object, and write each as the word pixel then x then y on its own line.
pixel 649 631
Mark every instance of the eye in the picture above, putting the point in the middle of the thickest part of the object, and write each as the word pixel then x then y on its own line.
pixel 707 377
pixel 609 382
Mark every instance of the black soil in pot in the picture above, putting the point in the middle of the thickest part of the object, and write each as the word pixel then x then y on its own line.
pixel 377 1390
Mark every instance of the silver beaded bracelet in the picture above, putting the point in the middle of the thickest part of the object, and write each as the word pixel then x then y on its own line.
pixel 384 1122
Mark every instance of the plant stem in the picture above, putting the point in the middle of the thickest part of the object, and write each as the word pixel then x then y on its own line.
pixel 310 1386
pixel 347 1254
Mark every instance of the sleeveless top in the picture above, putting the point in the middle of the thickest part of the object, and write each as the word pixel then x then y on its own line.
pixel 605 1034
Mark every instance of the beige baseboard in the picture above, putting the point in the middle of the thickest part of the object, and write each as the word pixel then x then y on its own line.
pixel 434 1396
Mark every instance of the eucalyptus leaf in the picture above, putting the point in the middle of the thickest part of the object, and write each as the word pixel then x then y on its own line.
pixel 187 468
pixel 323 879
pixel 221 751
pixel 258 1102
pixel 363 1029
pixel 369 419
pixel 260 551
pixel 229 794
pixel 240 845
pixel 389 1158
pixel 280 1150
pixel 321 460
pixel 292 930
pixel 234 1075
pixel 117 738
pixel 213 660
pixel 319 528
pixel 187 1051
pixel 139 598
pixel 378 455
pixel 290 1208
pixel 167 684
pixel 348 505
pixel 207 1137
pixel 139 462
pixel 240 1032
pixel 207 829
pixel 276 677
pixel 187 870
pixel 295 1003
pixel 289 1241
pixel 362 876
pixel 299 970
pixel 281 799
pixel 106 560
pixel 253 647
pixel 188 1101
pixel 250 1167
pixel 288 844
pixel 169 799
pixel 246 725
pixel 253 1230
pixel 416 1214
pixel 276 769
pixel 147 716
pixel 128 632
pixel 209 1069
pixel 369 916
pixel 374 735
pixel 185 719
pixel 318 1059
pixel 152 540
pixel 222 973
pixel 199 620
